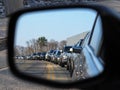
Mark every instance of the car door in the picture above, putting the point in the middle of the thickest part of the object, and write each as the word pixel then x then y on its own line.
pixel 79 61
pixel 90 62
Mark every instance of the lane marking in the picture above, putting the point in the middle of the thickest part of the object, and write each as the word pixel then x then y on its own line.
pixel 63 76
pixel 49 69
pixel 1 69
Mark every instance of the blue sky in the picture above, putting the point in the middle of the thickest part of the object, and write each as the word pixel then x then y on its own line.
pixel 55 24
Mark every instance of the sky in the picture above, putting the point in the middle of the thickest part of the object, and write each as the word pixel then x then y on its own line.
pixel 54 24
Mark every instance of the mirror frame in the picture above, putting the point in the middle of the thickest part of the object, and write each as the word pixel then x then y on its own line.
pixel 106 15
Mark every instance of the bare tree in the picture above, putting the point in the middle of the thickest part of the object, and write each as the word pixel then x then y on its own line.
pixel 33 45
pixel 28 48
pixel 62 44
pixel 19 50
pixel 52 44
pixel 16 50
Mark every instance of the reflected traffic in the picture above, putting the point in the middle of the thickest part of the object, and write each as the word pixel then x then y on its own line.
pixel 60 46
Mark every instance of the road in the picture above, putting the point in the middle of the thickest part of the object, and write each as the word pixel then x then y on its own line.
pixel 10 82
pixel 44 69
pixel 3 59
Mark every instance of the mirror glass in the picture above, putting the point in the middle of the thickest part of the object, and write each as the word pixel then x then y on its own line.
pixel 43 40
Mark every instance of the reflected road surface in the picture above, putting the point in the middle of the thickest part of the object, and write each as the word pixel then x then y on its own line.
pixel 10 82
pixel 44 69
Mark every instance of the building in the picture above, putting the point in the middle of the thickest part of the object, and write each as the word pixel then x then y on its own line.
pixel 74 39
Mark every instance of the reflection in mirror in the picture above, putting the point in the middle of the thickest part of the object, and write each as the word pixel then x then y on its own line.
pixel 43 40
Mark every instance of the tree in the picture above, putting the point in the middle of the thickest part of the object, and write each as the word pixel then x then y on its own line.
pixel 16 50
pixel 34 45
pixel 42 42
pixel 62 44
pixel 19 50
pixel 52 44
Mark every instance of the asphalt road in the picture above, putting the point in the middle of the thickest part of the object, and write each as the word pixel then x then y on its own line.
pixel 3 59
pixel 50 71
pixel 10 82
pixel 44 69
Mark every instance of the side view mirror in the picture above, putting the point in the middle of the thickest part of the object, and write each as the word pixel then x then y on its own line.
pixel 75 50
pixel 51 28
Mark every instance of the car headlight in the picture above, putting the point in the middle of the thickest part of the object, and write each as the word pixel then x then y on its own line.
pixel 64 57
pixel 58 58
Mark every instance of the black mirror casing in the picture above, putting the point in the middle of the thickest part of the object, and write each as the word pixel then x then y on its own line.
pixel 108 18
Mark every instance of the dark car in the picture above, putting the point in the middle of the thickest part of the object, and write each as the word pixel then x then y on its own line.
pixel 42 55
pixel 75 47
pixel 36 56
pixel 75 51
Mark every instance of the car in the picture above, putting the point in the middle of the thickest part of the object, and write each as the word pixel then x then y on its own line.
pixel 90 54
pixel 27 57
pixel 52 59
pixel 21 57
pixel 100 60
pixel 47 56
pixel 64 57
pixel 56 56
pixel 36 55
pixel 77 45
pixel 74 53
pixel 42 55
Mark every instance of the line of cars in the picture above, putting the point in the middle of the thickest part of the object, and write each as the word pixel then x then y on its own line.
pixel 34 56
pixel 58 56
pixel 84 59
pixel 65 57
pixel 81 59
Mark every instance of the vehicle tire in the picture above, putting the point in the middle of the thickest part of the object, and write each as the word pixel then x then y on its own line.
pixel 61 64
pixel 58 62
pixel 71 69
pixel 68 65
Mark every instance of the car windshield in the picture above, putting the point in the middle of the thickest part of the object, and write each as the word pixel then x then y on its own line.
pixel 38 53
pixel 67 48
pixel 43 53
pixel 34 54
pixel 51 51
pixel 58 53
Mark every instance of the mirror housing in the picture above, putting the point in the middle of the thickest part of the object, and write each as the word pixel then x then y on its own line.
pixel 107 17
